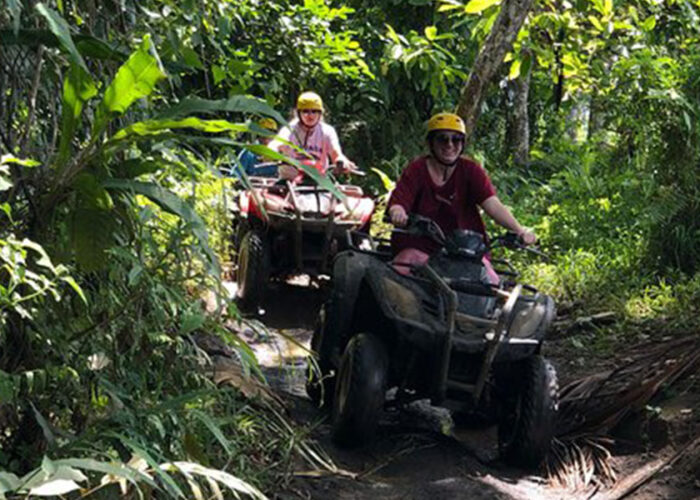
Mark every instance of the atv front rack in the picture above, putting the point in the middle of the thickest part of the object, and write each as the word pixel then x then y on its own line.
pixel 496 336
pixel 297 221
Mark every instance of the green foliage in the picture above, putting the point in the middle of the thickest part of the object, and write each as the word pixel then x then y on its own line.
pixel 28 277
pixel 110 235
pixel 425 61
pixel 136 79
pixel 115 204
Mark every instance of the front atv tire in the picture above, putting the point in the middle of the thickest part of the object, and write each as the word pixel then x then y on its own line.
pixel 360 390
pixel 320 386
pixel 253 270
pixel 528 414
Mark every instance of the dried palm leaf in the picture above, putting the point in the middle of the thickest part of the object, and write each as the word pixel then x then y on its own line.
pixel 591 407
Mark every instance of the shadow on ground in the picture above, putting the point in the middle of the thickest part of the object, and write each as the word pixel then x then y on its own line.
pixel 294 304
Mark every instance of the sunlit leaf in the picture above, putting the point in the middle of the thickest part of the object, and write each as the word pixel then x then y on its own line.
pixel 596 23
pixel 155 127
pixel 44 259
pixel 607 8
pixel 238 104
pixel 476 6
pixel 8 158
pixel 76 288
pixel 232 482
pixel 170 485
pixel 514 71
pixel 447 5
pixel 136 79
pixel 386 180
pixel 54 487
pixel 218 73
pixel 649 23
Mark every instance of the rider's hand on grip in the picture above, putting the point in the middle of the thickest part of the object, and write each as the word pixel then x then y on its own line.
pixel 527 237
pixel 398 215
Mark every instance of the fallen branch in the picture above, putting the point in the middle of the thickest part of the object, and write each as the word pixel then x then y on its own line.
pixel 567 327
pixel 633 482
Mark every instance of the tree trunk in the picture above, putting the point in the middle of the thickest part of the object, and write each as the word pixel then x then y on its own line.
pixel 596 118
pixel 519 123
pixel 496 46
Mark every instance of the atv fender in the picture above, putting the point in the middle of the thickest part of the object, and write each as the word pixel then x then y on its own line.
pixel 349 270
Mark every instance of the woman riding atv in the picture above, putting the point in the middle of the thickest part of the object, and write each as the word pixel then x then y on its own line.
pixel 309 132
pixel 449 189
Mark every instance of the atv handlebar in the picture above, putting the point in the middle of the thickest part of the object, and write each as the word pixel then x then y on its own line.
pixel 352 171
pixel 419 225
pixel 513 241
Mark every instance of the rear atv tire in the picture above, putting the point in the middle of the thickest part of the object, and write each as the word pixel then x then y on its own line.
pixel 320 386
pixel 253 270
pixel 528 414
pixel 360 390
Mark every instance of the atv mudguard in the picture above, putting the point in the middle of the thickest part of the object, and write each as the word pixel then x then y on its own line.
pixel 349 269
pixel 414 308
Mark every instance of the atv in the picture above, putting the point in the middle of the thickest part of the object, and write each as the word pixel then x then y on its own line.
pixel 443 331
pixel 290 227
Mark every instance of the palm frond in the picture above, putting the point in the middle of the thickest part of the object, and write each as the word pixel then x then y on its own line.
pixel 591 407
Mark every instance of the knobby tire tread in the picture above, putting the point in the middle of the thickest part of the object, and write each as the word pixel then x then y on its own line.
pixel 535 427
pixel 256 271
pixel 365 400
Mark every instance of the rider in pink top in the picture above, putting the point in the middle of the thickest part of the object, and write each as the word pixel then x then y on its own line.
pixel 309 132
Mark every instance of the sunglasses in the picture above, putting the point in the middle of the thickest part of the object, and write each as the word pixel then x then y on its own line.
pixel 310 111
pixel 445 139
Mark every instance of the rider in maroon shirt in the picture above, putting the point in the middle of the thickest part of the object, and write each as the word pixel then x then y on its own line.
pixel 447 188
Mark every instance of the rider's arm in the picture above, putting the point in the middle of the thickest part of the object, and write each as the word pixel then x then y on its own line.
pixel 284 171
pixel 500 213
pixel 276 144
pixel 404 193
pixel 334 149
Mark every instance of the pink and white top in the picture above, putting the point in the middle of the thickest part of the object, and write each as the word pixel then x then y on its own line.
pixel 321 142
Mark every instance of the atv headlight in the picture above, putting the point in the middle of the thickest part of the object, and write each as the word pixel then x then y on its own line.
pixel 528 316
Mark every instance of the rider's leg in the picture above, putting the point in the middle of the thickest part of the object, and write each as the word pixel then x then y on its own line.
pixel 409 257
pixel 491 274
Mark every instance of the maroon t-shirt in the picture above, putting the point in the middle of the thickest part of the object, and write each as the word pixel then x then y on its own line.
pixel 453 205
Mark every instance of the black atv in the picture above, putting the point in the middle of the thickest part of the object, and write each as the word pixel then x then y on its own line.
pixel 443 332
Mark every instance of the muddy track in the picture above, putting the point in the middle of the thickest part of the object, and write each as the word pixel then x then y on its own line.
pixel 417 453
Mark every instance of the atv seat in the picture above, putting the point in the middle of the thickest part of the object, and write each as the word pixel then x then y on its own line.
pixel 410 257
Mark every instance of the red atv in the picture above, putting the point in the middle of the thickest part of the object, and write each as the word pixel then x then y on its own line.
pixel 291 227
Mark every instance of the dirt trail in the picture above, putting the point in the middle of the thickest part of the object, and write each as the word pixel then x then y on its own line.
pixel 415 455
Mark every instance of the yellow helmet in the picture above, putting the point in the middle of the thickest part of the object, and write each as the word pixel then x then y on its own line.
pixel 268 123
pixel 447 121
pixel 310 100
